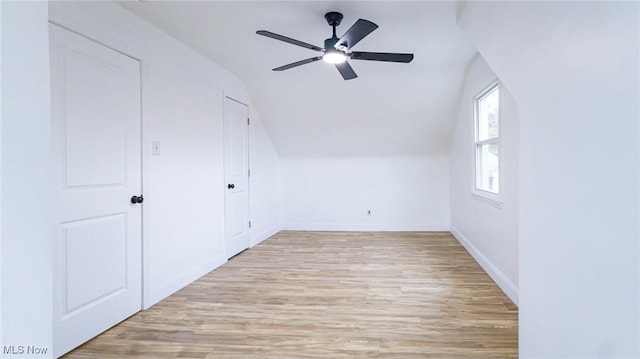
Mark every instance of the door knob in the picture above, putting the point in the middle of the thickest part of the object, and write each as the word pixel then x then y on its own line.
pixel 136 199
pixel 231 186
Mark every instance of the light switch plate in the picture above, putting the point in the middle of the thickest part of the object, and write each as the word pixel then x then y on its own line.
pixel 155 145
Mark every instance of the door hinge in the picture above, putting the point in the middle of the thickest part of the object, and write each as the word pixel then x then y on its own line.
pixel 248 121
pixel 249 173
pixel 249 224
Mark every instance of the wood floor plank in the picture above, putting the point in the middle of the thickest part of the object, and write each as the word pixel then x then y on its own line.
pixel 328 295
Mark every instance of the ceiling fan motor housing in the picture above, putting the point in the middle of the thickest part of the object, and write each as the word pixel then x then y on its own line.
pixel 328 43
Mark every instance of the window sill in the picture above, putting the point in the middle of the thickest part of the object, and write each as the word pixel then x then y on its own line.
pixel 494 202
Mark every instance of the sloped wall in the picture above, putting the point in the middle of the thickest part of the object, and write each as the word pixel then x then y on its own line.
pixel 489 232
pixel 265 182
pixel 572 68
pixel 182 107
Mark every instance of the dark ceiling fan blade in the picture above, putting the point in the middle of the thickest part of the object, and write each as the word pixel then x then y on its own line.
pixel 346 71
pixel 381 56
pixel 288 39
pixel 298 63
pixel 355 33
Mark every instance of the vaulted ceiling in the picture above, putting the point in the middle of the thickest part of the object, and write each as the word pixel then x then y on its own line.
pixel 310 111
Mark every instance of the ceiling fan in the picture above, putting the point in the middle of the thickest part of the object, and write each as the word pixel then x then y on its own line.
pixel 337 50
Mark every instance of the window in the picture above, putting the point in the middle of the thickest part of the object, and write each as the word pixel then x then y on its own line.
pixel 487 142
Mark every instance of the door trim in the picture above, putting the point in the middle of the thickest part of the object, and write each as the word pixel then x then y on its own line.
pixel 52 22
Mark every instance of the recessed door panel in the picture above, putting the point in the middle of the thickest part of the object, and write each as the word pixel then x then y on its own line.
pixel 238 148
pixel 91 245
pixel 238 212
pixel 95 130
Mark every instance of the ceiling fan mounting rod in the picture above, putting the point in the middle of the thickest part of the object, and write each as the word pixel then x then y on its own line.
pixel 333 19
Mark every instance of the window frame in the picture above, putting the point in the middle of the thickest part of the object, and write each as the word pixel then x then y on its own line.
pixel 491 198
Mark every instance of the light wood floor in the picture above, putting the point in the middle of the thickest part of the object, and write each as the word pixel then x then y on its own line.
pixel 328 295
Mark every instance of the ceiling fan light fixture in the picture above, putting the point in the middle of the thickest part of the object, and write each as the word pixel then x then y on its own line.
pixel 334 57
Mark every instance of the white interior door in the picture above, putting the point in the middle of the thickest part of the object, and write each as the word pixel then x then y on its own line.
pixel 236 173
pixel 96 127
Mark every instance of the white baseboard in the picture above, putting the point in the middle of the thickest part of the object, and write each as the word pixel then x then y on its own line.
pixel 183 279
pixel 255 240
pixel 507 286
pixel 365 227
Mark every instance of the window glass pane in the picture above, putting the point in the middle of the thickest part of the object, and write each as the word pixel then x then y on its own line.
pixel 488 115
pixel 487 175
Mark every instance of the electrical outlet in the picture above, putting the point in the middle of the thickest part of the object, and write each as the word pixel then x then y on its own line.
pixel 369 212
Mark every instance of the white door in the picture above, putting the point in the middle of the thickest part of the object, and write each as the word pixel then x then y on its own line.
pixel 236 174
pixel 96 128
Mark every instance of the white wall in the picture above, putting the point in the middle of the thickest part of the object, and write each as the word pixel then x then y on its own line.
pixel 490 233
pixel 26 202
pixel 334 194
pixel 265 182
pixel 1 100
pixel 182 108
pixel 572 68
pixel 182 104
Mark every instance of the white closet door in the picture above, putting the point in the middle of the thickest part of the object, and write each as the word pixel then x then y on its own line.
pixel 236 173
pixel 97 154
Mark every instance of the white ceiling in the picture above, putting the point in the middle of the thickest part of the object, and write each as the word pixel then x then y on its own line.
pixel 310 111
